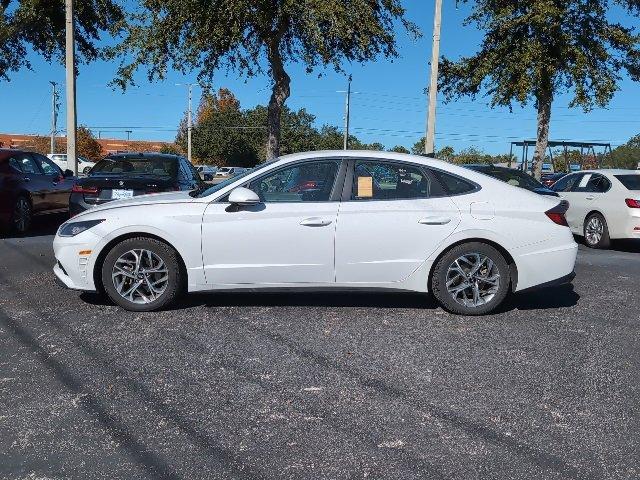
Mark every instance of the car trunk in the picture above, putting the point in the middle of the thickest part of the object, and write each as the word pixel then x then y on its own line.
pixel 100 189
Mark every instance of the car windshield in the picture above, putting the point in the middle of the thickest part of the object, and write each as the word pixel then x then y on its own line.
pixel 631 182
pixel 513 177
pixel 219 186
pixel 127 166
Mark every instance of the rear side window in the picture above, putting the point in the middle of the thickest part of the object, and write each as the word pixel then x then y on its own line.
pixel 26 163
pixel 388 181
pixel 453 184
pixel 631 182
pixel 13 162
pixel 593 183
pixel 565 184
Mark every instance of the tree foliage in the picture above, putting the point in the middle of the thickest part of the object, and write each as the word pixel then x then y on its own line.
pixel 535 49
pixel 39 26
pixel 624 156
pixel 254 37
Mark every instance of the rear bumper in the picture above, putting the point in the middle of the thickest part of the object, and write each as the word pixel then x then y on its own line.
pixel 546 267
pixel 552 283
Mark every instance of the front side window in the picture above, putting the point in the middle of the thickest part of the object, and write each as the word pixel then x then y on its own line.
pixel 388 181
pixel 48 167
pixel 304 182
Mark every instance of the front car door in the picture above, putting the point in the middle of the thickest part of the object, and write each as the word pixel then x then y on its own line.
pixel 286 239
pixel 393 216
pixel 59 186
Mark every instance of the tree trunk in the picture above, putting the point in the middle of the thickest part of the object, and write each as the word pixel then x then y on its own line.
pixel 544 99
pixel 279 94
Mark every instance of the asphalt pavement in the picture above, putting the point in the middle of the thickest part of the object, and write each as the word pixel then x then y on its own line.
pixel 319 386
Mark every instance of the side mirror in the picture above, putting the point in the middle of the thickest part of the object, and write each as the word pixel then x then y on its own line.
pixel 243 197
pixel 68 173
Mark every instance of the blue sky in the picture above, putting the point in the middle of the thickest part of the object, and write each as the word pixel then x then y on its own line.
pixel 389 105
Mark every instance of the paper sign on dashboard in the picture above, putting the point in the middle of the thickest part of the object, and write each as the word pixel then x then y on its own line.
pixel 365 187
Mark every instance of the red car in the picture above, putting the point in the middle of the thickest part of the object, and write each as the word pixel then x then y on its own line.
pixel 30 185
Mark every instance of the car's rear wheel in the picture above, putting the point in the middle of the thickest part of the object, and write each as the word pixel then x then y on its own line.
pixel 471 279
pixel 596 232
pixel 142 274
pixel 22 215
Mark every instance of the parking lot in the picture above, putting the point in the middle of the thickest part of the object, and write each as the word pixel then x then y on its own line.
pixel 319 385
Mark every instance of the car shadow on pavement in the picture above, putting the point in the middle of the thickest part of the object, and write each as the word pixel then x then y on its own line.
pixel 548 298
pixel 40 227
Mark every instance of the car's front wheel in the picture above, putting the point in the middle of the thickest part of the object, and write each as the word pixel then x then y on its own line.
pixel 471 279
pixel 142 274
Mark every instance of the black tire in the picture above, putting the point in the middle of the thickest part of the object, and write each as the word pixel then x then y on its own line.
pixel 174 283
pixel 592 240
pixel 22 215
pixel 495 294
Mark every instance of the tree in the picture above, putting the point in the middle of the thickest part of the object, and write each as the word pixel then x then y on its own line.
pixel 624 156
pixel 400 149
pixel 39 26
pixel 86 144
pixel 192 35
pixel 534 49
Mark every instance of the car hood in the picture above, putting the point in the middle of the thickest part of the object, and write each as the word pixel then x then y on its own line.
pixel 152 198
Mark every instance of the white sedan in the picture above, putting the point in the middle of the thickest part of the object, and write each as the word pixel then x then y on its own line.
pixel 604 204
pixel 325 220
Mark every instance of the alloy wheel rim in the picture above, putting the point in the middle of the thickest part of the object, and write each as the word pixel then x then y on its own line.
pixel 594 231
pixel 140 276
pixel 21 215
pixel 473 279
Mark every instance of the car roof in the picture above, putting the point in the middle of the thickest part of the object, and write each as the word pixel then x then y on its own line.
pixel 168 156
pixel 611 171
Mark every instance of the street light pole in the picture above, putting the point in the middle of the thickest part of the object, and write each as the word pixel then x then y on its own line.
pixel 346 116
pixel 70 65
pixel 429 139
pixel 54 116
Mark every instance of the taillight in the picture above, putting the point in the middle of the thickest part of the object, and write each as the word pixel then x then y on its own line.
pixel 80 189
pixel 556 214
pixel 632 203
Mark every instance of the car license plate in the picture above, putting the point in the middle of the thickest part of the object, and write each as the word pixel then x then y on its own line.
pixel 121 194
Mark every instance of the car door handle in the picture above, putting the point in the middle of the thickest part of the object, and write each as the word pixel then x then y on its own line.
pixel 434 220
pixel 26 179
pixel 590 197
pixel 315 222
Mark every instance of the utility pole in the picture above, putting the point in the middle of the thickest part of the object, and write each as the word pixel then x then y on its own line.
pixel 70 65
pixel 346 116
pixel 429 138
pixel 189 125
pixel 54 116
pixel 128 137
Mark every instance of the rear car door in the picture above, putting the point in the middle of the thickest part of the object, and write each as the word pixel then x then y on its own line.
pixel 35 181
pixel 286 239
pixel 392 217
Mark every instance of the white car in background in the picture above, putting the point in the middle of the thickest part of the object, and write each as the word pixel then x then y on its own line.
pixel 338 220
pixel 60 159
pixel 230 171
pixel 603 204
pixel 207 172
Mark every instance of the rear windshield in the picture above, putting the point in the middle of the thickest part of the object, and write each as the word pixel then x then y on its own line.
pixel 153 166
pixel 632 182
pixel 514 177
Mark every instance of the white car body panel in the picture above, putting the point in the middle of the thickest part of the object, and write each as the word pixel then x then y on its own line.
pixel 354 244
pixel 622 221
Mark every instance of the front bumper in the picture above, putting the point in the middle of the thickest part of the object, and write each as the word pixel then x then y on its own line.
pixel 74 266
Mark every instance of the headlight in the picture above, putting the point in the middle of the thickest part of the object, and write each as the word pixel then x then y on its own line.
pixel 75 228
